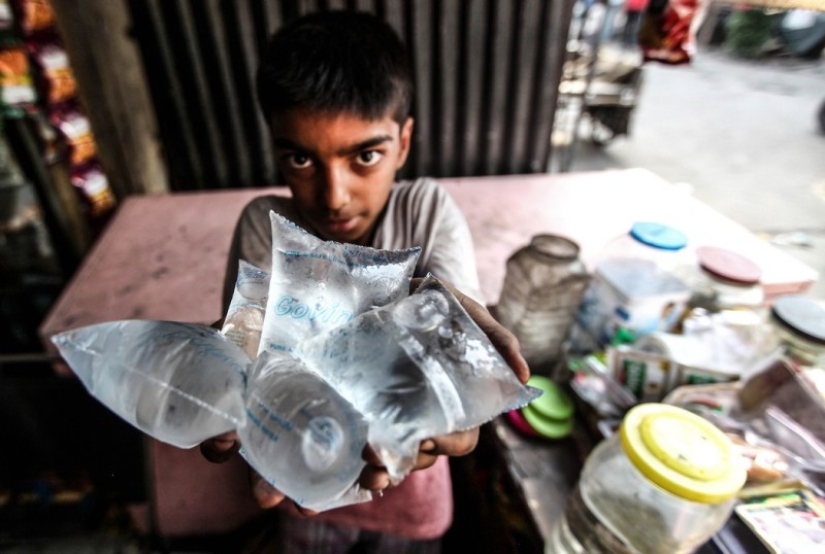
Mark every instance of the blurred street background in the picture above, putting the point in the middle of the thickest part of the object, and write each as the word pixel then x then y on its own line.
pixel 741 134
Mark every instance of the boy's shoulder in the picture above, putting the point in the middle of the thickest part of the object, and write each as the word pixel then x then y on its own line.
pixel 258 208
pixel 424 190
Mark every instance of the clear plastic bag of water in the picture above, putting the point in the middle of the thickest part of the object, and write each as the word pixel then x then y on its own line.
pixel 302 436
pixel 178 382
pixel 417 368
pixel 318 285
pixel 244 319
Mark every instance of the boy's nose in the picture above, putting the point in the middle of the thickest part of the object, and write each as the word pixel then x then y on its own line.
pixel 335 189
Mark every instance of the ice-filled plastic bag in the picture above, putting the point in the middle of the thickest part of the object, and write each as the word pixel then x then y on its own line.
pixel 417 368
pixel 177 382
pixel 317 285
pixel 244 319
pixel 302 436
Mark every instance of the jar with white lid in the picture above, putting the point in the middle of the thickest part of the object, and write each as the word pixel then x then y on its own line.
pixel 800 325
pixel 726 280
pixel 664 245
pixel 639 282
pixel 663 484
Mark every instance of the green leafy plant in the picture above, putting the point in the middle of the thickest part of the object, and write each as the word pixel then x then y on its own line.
pixel 747 31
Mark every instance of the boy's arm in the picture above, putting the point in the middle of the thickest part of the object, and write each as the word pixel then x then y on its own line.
pixel 452 256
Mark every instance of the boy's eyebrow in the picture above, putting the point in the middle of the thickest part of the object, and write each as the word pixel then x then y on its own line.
pixel 367 144
pixel 286 144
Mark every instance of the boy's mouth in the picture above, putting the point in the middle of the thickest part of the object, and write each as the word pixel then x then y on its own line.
pixel 339 225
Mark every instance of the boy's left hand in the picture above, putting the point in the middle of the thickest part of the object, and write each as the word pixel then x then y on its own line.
pixel 375 476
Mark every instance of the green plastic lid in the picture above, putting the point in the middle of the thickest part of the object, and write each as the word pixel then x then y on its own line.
pixel 554 403
pixel 547 427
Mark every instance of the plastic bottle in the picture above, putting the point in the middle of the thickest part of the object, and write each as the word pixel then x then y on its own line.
pixel 665 483
pixel 639 283
pixel 543 286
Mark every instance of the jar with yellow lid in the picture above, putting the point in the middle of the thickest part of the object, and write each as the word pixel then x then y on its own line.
pixel 665 483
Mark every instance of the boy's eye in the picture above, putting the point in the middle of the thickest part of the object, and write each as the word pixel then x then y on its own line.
pixel 369 157
pixel 298 161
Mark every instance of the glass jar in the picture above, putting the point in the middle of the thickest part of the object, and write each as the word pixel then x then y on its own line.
pixel 665 483
pixel 639 283
pixel 800 325
pixel 726 280
pixel 543 286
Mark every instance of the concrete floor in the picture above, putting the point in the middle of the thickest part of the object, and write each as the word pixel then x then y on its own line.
pixel 743 135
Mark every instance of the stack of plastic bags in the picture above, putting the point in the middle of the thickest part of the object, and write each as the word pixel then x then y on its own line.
pixel 327 353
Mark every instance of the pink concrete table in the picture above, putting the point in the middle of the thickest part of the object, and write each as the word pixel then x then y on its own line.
pixel 163 257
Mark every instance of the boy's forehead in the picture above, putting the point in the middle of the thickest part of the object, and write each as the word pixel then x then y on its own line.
pixel 299 119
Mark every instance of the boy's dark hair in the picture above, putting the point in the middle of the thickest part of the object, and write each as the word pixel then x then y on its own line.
pixel 336 62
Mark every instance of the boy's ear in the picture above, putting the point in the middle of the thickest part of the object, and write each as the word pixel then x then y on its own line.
pixel 405 142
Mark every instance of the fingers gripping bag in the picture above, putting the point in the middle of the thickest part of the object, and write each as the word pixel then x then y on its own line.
pixel 244 319
pixel 317 285
pixel 417 368
pixel 179 383
pixel 302 436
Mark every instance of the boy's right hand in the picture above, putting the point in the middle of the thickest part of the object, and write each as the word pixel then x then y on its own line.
pixel 221 448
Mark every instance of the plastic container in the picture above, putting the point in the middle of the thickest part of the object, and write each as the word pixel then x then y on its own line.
pixel 665 483
pixel 800 324
pixel 639 283
pixel 725 280
pixel 543 286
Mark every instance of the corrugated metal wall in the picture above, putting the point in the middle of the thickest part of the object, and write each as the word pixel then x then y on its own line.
pixel 486 71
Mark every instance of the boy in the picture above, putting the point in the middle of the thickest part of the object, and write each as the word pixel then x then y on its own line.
pixel 336 90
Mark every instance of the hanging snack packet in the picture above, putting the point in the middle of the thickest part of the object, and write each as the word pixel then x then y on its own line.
pixel 416 369
pixel 245 316
pixel 77 130
pixel 302 436
pixel 318 285
pixel 178 382
pixel 664 34
pixel 96 194
pixel 16 83
pixel 59 82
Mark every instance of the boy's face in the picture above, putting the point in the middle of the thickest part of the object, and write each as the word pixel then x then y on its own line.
pixel 339 167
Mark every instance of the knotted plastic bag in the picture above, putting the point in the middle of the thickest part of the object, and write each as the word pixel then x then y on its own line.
pixel 177 382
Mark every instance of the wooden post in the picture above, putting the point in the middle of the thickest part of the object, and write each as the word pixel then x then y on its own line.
pixel 106 63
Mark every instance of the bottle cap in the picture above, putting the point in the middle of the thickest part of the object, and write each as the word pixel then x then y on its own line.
pixel 728 265
pixel 802 315
pixel 683 453
pixel 658 235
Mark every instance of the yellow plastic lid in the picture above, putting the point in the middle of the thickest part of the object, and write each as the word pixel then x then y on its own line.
pixel 683 453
